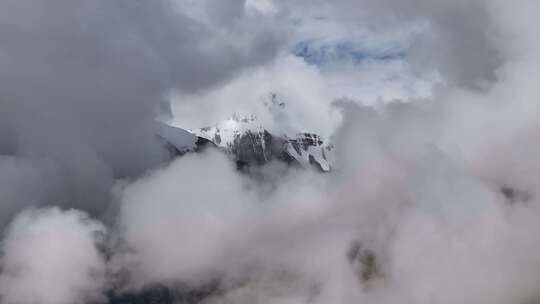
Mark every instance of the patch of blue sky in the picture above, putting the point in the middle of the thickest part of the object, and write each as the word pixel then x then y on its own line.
pixel 316 53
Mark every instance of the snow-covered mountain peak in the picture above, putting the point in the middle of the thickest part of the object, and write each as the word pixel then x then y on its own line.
pixel 251 143
pixel 270 133
pixel 224 133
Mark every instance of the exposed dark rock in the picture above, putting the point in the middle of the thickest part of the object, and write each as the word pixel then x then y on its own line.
pixel 514 195
pixel 364 262
pixel 160 294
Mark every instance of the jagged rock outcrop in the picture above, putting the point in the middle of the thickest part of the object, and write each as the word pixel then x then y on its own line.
pixel 251 144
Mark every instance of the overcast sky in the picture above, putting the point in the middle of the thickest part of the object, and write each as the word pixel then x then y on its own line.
pixel 431 105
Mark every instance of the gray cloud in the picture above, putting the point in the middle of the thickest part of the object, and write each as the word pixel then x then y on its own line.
pixel 82 82
pixel 418 190
pixel 431 201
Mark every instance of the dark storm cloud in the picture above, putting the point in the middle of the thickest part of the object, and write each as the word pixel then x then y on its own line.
pixel 82 81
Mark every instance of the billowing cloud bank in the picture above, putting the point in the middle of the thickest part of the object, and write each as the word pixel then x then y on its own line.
pixel 50 256
pixel 434 194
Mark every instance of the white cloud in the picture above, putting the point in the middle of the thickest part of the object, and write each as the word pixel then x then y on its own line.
pixel 50 257
pixel 265 7
pixel 308 92
pixel 438 183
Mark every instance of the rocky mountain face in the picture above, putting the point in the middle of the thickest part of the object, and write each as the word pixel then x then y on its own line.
pixel 251 147
pixel 250 143
pixel 161 294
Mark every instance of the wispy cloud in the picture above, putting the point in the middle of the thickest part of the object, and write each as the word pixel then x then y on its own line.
pixel 431 106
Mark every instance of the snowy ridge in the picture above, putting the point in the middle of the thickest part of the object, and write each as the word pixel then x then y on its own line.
pixel 251 143
pixel 309 148
pixel 176 138
pixel 225 133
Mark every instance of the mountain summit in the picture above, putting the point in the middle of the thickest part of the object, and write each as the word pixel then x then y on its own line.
pixel 251 144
